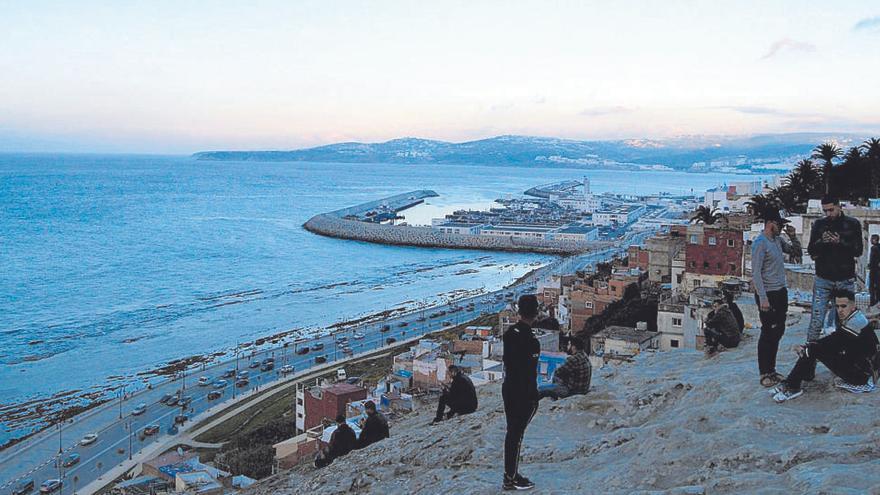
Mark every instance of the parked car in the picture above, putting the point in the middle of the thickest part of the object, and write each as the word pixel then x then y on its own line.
pixel 243 374
pixel 221 384
pixel 23 487
pixel 269 360
pixel 255 364
pixel 390 340
pixel 180 419
pixel 204 381
pixel 214 394
pixel 151 430
pixel 70 460
pixel 50 486
pixel 286 369
pixel 358 336
pixel 140 409
pixel 303 350
pixel 347 351
pixel 165 398
pixel 318 347
pixel 242 382
pixel 267 366
pixel 89 439
pixel 320 359
pixel 385 328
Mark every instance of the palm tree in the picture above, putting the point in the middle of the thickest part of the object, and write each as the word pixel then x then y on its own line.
pixel 804 181
pixel 872 156
pixel 703 214
pixel 760 204
pixel 827 152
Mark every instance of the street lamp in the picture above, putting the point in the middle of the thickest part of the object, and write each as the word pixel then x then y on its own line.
pixel 60 449
pixel 130 431
pixel 121 397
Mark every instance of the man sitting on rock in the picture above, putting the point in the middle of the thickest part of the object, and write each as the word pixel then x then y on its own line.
pixel 721 329
pixel 460 397
pixel 850 352
pixel 375 426
pixel 573 377
pixel 342 441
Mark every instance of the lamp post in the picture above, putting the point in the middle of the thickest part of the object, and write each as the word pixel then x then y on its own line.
pixel 60 449
pixel 130 431
pixel 121 397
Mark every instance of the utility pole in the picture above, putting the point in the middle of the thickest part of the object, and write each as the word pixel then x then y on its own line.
pixel 121 396
pixel 130 430
pixel 60 449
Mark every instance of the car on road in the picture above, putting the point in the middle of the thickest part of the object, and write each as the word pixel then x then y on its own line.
pixel 204 381
pixel 221 384
pixel 320 359
pixel 390 340
pixel 385 328
pixel 447 323
pixel 318 347
pixel 286 369
pixel 184 401
pixel 140 409
pixel 303 350
pixel 229 373
pixel 243 374
pixel 70 460
pixel 180 419
pixel 403 324
pixel 172 401
pixel 358 336
pixel 151 430
pixel 347 351
pixel 255 364
pixel 268 366
pixel 23 487
pixel 89 439
pixel 165 398
pixel 242 382
pixel 50 486
pixel 214 394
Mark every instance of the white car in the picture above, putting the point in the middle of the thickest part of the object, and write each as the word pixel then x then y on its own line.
pixel 140 409
pixel 89 439
pixel 204 381
pixel 286 369
pixel 358 336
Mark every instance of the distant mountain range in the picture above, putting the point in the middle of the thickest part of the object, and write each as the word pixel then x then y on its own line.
pixel 706 152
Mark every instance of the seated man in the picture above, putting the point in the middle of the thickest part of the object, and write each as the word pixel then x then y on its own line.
pixel 721 329
pixel 342 441
pixel 374 428
pixel 573 377
pixel 850 352
pixel 735 311
pixel 460 396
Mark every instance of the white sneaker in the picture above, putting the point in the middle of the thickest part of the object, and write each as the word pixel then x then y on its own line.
pixel 784 393
pixel 856 389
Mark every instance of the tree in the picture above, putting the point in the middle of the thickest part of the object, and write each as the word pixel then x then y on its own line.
pixel 760 204
pixel 705 215
pixel 804 181
pixel 827 152
pixel 872 162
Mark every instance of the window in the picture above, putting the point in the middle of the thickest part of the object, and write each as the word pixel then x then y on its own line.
pixel 718 265
pixel 731 267
pixel 588 305
pixel 712 241
pixel 697 283
pixel 730 243
pixel 673 343
pixel 676 322
pixel 693 264
pixel 693 238
pixel 705 264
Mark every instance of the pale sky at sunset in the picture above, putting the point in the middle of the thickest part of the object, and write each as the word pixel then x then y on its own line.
pixel 179 76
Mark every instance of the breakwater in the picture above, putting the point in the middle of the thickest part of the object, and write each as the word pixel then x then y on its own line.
pixel 337 224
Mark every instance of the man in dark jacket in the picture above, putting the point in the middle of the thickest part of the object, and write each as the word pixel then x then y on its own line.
pixel 520 388
pixel 874 270
pixel 850 353
pixel 573 377
pixel 721 329
pixel 460 396
pixel 375 427
pixel 342 441
pixel 734 310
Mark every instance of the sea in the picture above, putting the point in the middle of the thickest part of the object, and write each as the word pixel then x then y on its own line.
pixel 112 265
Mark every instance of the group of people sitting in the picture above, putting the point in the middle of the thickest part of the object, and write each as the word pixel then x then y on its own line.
pixel 374 427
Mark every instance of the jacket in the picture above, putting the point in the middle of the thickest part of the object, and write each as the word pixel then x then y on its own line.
pixel 874 259
pixel 722 320
pixel 521 352
pixel 342 441
pixel 462 397
pixel 836 261
pixel 375 429
pixel 738 314
pixel 853 338
pixel 575 373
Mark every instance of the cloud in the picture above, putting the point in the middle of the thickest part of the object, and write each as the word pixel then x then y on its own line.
pixel 755 110
pixel 788 44
pixel 599 111
pixel 868 24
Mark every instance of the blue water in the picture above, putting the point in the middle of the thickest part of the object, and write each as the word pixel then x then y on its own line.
pixel 111 265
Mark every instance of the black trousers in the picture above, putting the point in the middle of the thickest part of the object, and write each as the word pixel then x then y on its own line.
pixel 519 409
pixel 839 364
pixel 441 406
pixel 772 329
pixel 874 288
pixel 714 337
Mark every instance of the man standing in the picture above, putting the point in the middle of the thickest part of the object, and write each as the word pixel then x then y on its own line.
pixel 771 294
pixel 460 396
pixel 520 388
pixel 835 243
pixel 874 269
pixel 850 353
pixel 573 377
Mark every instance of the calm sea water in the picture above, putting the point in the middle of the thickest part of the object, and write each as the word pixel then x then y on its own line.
pixel 111 265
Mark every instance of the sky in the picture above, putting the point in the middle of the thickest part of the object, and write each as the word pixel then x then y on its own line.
pixel 184 76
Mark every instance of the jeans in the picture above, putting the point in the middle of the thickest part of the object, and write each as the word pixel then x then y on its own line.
pixel 519 411
pixel 821 297
pixel 772 328
pixel 553 390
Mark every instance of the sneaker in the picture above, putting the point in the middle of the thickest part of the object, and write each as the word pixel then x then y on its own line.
pixel 518 482
pixel 784 393
pixel 856 389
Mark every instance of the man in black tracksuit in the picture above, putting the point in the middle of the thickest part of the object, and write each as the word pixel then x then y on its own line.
pixel 460 397
pixel 375 427
pixel 520 388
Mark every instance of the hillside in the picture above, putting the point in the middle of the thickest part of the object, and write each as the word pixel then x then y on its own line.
pixel 673 423
pixel 679 153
